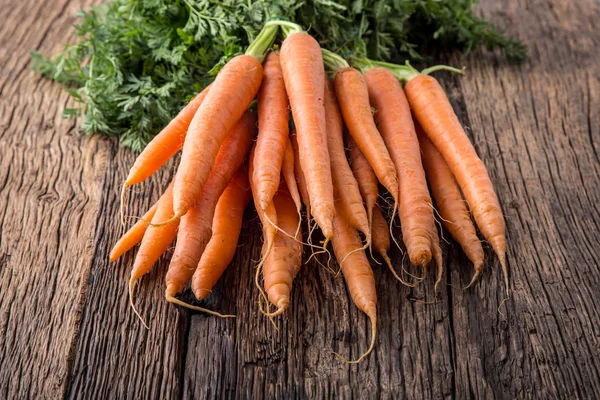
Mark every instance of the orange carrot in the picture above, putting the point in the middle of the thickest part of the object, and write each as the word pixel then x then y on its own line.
pixel 300 178
pixel 164 145
pixel 195 227
pixel 133 236
pixel 156 241
pixel 434 113
pixel 394 120
pixel 358 274
pixel 226 228
pixel 450 204
pixel 304 76
pixel 268 217
pixel 381 242
pixel 289 175
pixel 353 97
pixel 283 262
pixel 232 91
pixel 365 177
pixel 436 250
pixel 273 131
pixel 350 202
pixel 381 235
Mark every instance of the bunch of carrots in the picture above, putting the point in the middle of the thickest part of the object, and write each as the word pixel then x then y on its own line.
pixel 374 123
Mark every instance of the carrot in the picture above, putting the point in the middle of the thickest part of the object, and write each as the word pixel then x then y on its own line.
pixel 155 242
pixel 195 227
pixel 300 178
pixel 365 177
pixel 353 98
pixel 434 113
pixel 394 120
pixel 358 274
pixel 133 236
pixel 350 202
pixel 288 171
pixel 273 131
pixel 268 217
pixel 164 145
pixel 436 250
pixel 231 93
pixel 451 206
pixel 381 235
pixel 304 76
pixel 283 261
pixel 381 242
pixel 226 228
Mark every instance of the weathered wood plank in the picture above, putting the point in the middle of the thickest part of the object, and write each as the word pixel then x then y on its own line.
pixel 66 328
pixel 536 127
pixel 49 190
pixel 249 358
pixel 137 362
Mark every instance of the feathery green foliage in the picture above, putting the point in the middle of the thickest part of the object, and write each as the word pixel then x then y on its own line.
pixel 137 62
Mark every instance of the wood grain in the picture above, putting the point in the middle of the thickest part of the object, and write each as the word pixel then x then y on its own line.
pixel 66 329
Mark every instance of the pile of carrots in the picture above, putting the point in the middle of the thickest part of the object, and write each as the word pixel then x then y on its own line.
pixel 379 124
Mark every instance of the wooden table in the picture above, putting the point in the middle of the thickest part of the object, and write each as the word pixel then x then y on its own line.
pixel 66 329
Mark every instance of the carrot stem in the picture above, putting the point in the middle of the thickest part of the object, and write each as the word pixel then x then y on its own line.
pixel 288 28
pixel 263 42
pixel 403 73
pixel 333 60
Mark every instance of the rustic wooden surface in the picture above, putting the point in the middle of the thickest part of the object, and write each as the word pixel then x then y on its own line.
pixel 66 329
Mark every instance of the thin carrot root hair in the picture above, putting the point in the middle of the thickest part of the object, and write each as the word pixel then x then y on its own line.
pixel 175 300
pixel 132 304
pixel 172 219
pixel 418 278
pixel 388 261
pixel 354 251
pixel 263 295
pixel 294 238
pixel 391 226
pixel 299 222
pixel 373 318
pixel 500 306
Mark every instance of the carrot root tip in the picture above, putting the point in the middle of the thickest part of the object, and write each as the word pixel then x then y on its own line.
pixel 474 279
pixel 373 318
